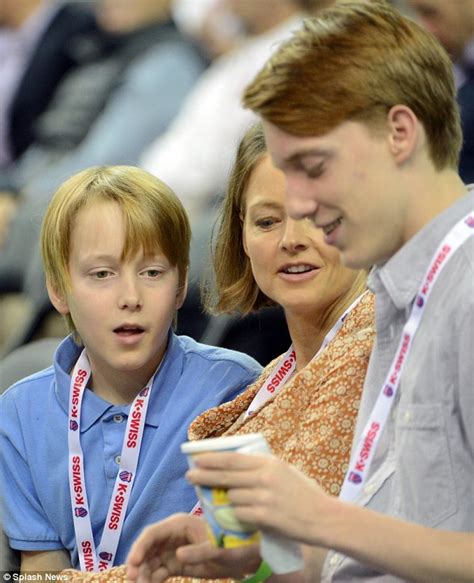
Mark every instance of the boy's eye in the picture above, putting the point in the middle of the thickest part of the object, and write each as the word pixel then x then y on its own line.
pixel 102 274
pixel 152 273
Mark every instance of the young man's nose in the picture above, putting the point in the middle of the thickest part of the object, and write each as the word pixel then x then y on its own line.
pixel 299 207
pixel 294 237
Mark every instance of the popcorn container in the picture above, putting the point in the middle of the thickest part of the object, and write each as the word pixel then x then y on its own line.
pixel 225 530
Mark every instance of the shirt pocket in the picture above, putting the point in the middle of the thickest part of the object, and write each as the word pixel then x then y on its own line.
pixel 424 488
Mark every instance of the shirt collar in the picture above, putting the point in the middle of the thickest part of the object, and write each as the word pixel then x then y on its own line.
pixel 402 274
pixel 93 406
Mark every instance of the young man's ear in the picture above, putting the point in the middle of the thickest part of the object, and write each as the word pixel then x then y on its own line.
pixel 404 132
pixel 57 298
pixel 181 293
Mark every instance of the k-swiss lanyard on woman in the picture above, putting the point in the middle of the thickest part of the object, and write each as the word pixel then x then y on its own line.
pixel 282 371
pixel 364 451
pixel 286 365
pixel 103 558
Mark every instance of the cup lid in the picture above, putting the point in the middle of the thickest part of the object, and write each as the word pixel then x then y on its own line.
pixel 230 442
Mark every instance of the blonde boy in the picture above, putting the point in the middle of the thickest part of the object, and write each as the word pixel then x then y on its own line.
pixel 89 448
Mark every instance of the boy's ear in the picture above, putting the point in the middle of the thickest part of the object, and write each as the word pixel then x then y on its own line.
pixel 57 299
pixel 404 132
pixel 181 293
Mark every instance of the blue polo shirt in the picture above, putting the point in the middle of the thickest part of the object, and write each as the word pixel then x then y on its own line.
pixel 33 444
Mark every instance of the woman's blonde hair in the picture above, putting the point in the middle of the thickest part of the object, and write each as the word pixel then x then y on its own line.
pixel 235 286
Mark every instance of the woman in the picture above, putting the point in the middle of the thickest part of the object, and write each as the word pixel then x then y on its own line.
pixel 264 257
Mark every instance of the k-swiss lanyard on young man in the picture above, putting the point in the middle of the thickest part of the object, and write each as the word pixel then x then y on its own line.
pixel 363 453
pixel 89 559
pixel 286 365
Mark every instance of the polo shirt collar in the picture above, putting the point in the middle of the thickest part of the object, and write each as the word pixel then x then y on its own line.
pixel 93 406
pixel 402 274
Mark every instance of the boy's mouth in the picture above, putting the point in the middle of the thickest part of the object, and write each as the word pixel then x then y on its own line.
pixel 128 330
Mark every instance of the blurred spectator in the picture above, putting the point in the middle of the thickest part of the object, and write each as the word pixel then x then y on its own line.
pixel 131 79
pixel 211 23
pixel 194 155
pixel 452 22
pixel 36 37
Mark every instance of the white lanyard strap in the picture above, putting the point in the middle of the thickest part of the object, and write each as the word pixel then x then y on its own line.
pixel 104 558
pixel 363 453
pixel 286 365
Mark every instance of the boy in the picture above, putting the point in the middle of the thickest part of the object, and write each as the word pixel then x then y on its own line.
pixel 359 111
pixel 90 447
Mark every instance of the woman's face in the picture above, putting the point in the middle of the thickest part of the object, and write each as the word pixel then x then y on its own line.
pixel 290 261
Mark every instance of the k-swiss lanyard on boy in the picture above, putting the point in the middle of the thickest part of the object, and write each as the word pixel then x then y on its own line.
pixel 104 558
pixel 363 453
pixel 286 365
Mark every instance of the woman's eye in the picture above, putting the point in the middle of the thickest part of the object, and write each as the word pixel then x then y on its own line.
pixel 266 222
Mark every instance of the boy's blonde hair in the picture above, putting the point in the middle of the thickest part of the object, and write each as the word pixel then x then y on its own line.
pixel 154 220
pixel 355 61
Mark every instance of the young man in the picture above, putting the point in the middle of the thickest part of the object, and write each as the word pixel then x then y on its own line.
pixel 360 113
pixel 89 448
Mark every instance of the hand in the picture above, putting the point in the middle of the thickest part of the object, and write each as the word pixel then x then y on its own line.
pixel 268 494
pixel 180 545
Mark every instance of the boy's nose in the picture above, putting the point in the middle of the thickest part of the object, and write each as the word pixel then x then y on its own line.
pixel 130 297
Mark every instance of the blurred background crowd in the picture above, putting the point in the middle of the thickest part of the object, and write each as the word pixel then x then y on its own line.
pixel 157 84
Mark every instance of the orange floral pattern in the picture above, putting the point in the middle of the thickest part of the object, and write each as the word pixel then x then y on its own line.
pixel 311 421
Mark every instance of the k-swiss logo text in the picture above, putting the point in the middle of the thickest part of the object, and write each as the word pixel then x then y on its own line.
pixel 77 480
pixel 88 556
pixel 400 359
pixel 136 415
pixel 76 391
pixel 438 262
pixel 367 447
pixel 117 508
pixel 281 373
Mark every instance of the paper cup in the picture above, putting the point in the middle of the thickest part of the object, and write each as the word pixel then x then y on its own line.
pixel 226 530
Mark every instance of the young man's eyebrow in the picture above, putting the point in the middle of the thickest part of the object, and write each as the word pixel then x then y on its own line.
pixel 298 157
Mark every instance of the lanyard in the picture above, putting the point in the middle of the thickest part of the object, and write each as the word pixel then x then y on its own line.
pixel 90 560
pixel 285 366
pixel 363 453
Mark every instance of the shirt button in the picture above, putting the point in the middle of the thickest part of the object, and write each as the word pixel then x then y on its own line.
pixel 407 417
pixel 117 459
pixel 369 488
pixel 334 560
pixel 118 418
